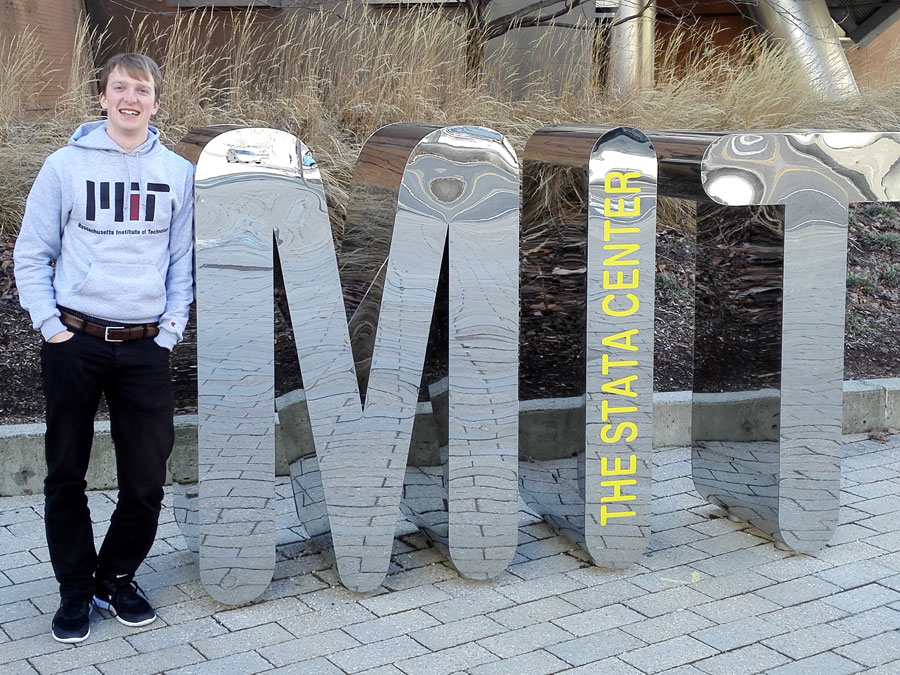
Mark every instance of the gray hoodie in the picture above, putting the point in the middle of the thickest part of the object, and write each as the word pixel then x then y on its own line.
pixel 119 226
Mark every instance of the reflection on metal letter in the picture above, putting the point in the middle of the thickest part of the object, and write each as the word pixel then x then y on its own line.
pixel 599 494
pixel 787 481
pixel 250 183
pixel 423 182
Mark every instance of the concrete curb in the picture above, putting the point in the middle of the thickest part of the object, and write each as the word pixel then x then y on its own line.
pixel 545 424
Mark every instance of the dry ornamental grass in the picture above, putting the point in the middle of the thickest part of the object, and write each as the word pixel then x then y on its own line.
pixel 332 81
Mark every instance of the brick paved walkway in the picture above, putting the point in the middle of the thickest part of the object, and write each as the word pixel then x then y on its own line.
pixel 708 597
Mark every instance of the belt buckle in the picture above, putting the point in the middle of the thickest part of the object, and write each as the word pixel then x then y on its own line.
pixel 106 333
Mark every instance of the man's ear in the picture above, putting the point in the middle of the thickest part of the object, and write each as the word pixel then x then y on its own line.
pixel 103 102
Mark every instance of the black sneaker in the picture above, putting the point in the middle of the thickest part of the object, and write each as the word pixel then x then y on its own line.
pixel 125 600
pixel 72 621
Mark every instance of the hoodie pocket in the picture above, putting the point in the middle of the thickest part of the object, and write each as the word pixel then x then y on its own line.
pixel 127 292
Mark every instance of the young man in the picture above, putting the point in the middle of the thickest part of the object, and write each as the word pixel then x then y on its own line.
pixel 103 264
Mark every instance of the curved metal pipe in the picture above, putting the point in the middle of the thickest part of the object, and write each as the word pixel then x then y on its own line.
pixel 806 28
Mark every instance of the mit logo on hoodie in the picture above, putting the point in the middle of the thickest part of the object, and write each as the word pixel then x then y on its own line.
pixel 134 200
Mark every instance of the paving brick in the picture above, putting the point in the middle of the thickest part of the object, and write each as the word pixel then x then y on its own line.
pixel 260 613
pixel 180 633
pixel 601 595
pixel 668 654
pixel 687 669
pixel 679 502
pixel 739 633
pixel 27 590
pixel 863 598
pixel 609 666
pixel 526 591
pixel 656 604
pixel 464 606
pixel 29 647
pixel 597 620
pixel 888 541
pixel 734 608
pixel 421 576
pixel 743 661
pixel 189 610
pixel 583 650
pixel 803 615
pixel 796 591
pixel 726 543
pixel 309 647
pixel 825 663
pixel 533 663
pixel 672 557
pixel 874 651
pixel 391 626
pixel 870 622
pixel 544 548
pixel 462 658
pixel 377 654
pixel 10 561
pixel 392 603
pixel 673 537
pixel 242 640
pixel 84 670
pixel 663 580
pixel 91 654
pixel 855 574
pixel 530 613
pixel 537 569
pixel 729 585
pixel 319 666
pixel 514 642
pixel 458 632
pixel 808 641
pixel 679 622
pixel 383 670
pixel 736 561
pixel 888 504
pixel 792 567
pixel 153 662
pixel 852 532
pixel 27 627
pixel 245 663
pixel 18 668
pixel 339 616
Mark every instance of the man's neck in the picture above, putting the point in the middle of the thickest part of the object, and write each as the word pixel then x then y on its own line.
pixel 128 143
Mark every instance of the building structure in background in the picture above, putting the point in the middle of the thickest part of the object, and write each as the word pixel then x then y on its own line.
pixel 55 23
pixel 868 29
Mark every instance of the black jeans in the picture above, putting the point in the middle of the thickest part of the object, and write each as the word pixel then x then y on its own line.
pixel 137 383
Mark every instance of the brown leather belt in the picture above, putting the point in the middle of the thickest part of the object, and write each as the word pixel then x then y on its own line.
pixel 109 333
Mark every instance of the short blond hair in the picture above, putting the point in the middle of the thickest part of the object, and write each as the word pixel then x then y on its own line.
pixel 135 65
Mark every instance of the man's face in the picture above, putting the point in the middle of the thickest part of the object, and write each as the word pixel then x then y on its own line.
pixel 129 103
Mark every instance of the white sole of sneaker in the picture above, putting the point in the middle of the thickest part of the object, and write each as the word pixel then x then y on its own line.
pixel 102 604
pixel 71 640
pixel 75 640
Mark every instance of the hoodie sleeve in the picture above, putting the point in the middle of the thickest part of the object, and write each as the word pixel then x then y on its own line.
pixel 180 277
pixel 37 245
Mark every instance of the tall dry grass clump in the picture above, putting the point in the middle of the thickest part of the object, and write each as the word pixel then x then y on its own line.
pixel 333 77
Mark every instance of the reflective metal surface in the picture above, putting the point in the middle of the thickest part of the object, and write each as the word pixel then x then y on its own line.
pixel 249 184
pixel 631 47
pixel 457 180
pixel 598 494
pixel 777 291
pixel 807 31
